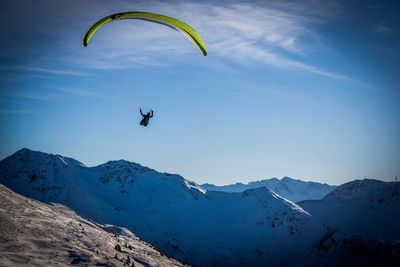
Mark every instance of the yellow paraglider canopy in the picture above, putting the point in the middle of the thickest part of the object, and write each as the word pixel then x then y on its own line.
pixel 176 24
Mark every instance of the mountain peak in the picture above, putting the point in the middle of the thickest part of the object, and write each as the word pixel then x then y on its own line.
pixel 40 158
pixel 26 151
pixel 123 163
pixel 26 154
pixel 360 188
pixel 287 178
pixel 122 166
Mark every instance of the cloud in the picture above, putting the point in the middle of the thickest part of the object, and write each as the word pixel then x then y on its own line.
pixel 48 94
pixel 380 28
pixel 265 26
pixel 17 93
pixel 275 33
pixel 244 33
pixel 31 69
pixel 244 52
pixel 78 91
pixel 15 111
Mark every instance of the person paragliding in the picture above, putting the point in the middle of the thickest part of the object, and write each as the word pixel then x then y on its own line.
pixel 171 22
pixel 146 117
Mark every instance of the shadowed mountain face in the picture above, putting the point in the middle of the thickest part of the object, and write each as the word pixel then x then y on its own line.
pixel 289 188
pixel 361 219
pixel 367 208
pixel 256 227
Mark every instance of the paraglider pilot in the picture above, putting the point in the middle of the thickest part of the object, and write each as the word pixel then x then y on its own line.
pixel 146 117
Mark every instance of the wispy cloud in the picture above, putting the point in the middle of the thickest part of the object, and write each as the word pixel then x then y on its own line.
pixel 31 69
pixel 221 23
pixel 383 29
pixel 49 94
pixel 259 25
pixel 17 93
pixel 243 33
pixel 78 92
pixel 15 111
pixel 245 52
pixel 275 33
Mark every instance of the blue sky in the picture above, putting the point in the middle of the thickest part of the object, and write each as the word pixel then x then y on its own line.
pixel 307 89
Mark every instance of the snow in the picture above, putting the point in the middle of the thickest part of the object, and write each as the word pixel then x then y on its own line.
pixel 255 227
pixel 35 234
pixel 368 208
pixel 292 189
pixel 174 214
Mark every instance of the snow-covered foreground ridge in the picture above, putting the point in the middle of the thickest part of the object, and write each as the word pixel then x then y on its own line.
pixel 256 227
pixel 36 234
pixel 294 190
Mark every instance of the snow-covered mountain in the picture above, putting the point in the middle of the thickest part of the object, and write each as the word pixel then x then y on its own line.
pixel 35 234
pixel 362 224
pixel 256 227
pixel 176 215
pixel 368 208
pixel 292 189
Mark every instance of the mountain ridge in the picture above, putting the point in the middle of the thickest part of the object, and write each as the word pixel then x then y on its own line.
pixel 295 190
pixel 255 227
pixel 170 212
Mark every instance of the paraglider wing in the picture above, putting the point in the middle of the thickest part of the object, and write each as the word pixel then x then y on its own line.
pixel 176 24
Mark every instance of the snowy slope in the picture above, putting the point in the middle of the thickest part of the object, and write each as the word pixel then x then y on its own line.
pixel 254 227
pixel 292 189
pixel 368 208
pixel 35 234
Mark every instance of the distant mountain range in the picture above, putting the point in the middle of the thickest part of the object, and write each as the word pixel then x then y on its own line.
pixel 256 227
pixel 289 188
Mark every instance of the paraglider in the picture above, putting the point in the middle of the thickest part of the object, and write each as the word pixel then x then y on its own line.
pixel 146 117
pixel 171 22
pixel 175 24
